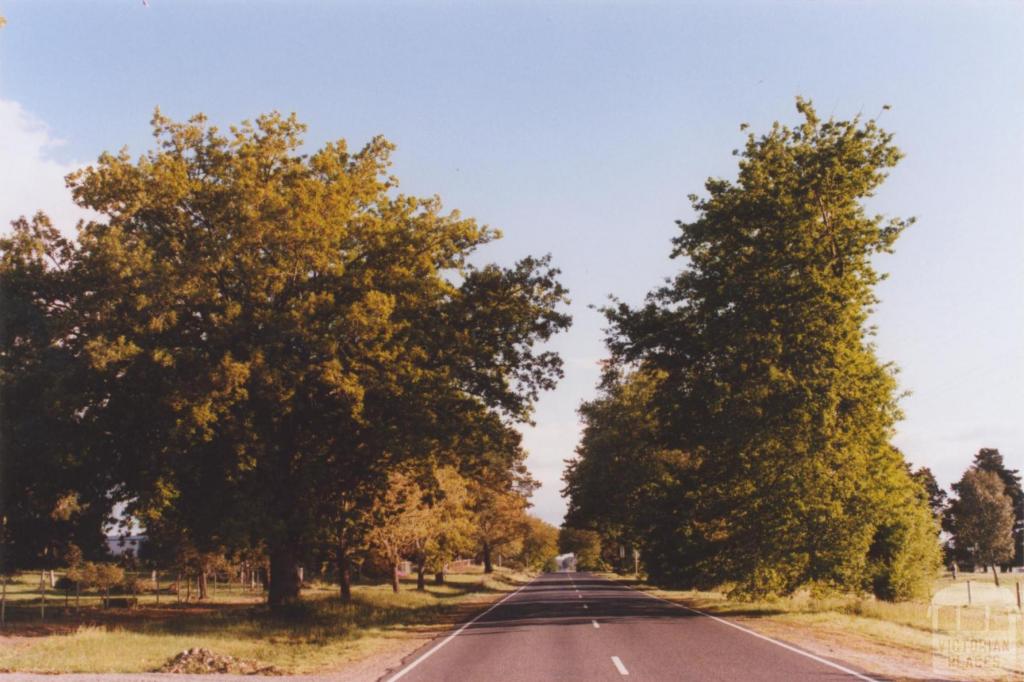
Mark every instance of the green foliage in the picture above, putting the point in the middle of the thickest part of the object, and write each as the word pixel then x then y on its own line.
pixel 500 521
pixel 905 556
pixel 249 340
pixel 989 459
pixel 53 485
pixel 585 545
pixel 937 498
pixel 540 545
pixel 743 435
pixel 981 517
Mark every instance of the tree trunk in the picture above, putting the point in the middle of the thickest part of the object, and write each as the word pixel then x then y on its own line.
pixel 42 596
pixel 202 586
pixel 421 570
pixel 488 568
pixel 345 574
pixel 439 577
pixel 394 576
pixel 284 577
pixel 995 574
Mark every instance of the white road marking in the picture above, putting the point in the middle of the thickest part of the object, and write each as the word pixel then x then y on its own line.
pixel 585 606
pixel 596 626
pixel 455 634
pixel 618 664
pixel 776 642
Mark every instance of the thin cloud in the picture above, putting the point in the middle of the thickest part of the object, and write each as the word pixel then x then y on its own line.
pixel 31 177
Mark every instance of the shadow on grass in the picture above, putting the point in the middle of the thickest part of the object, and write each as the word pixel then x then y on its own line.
pixel 318 619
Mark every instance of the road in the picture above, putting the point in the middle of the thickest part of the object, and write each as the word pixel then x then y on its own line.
pixel 575 626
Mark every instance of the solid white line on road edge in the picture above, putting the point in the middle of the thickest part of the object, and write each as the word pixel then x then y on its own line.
pixel 788 647
pixel 596 626
pixel 618 664
pixel 401 673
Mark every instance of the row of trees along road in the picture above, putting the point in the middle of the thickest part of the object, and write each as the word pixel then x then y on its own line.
pixel 250 346
pixel 743 433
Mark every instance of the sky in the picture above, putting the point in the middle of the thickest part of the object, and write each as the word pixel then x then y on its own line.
pixel 578 129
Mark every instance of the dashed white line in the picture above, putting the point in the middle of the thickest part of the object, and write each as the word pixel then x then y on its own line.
pixel 596 626
pixel 618 664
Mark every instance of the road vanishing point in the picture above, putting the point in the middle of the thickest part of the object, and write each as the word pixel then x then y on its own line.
pixel 576 626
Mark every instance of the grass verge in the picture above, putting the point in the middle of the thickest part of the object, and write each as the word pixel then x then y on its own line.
pixel 894 639
pixel 318 635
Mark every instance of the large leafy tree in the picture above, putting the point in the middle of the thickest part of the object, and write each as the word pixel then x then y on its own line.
pixel 540 544
pixel 990 459
pixel 268 333
pixel 53 486
pixel 771 384
pixel 981 518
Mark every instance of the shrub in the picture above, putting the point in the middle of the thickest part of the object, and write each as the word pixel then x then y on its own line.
pixel 905 556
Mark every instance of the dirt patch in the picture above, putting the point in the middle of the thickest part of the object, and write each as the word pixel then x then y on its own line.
pixel 893 662
pixel 203 661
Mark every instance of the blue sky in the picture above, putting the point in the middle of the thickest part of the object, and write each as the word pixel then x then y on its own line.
pixel 579 129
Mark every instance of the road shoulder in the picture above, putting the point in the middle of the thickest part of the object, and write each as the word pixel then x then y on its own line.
pixel 891 651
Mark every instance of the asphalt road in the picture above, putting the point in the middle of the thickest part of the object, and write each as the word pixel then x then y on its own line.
pixel 575 626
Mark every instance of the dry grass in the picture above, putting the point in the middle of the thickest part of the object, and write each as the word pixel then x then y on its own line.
pixel 861 621
pixel 318 635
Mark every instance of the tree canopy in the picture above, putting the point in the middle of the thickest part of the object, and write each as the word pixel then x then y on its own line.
pixel 250 335
pixel 772 409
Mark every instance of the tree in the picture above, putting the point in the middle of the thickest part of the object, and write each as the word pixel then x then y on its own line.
pixel 499 519
pixel 937 498
pixel 540 544
pixel 584 544
pixel 402 521
pixel 255 337
pixel 53 486
pixel 452 526
pixel 624 482
pixel 981 518
pixel 989 459
pixel 772 395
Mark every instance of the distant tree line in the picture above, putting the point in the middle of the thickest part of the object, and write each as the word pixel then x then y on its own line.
pixel 267 354
pixel 742 437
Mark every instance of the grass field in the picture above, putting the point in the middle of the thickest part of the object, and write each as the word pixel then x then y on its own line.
pixel 317 635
